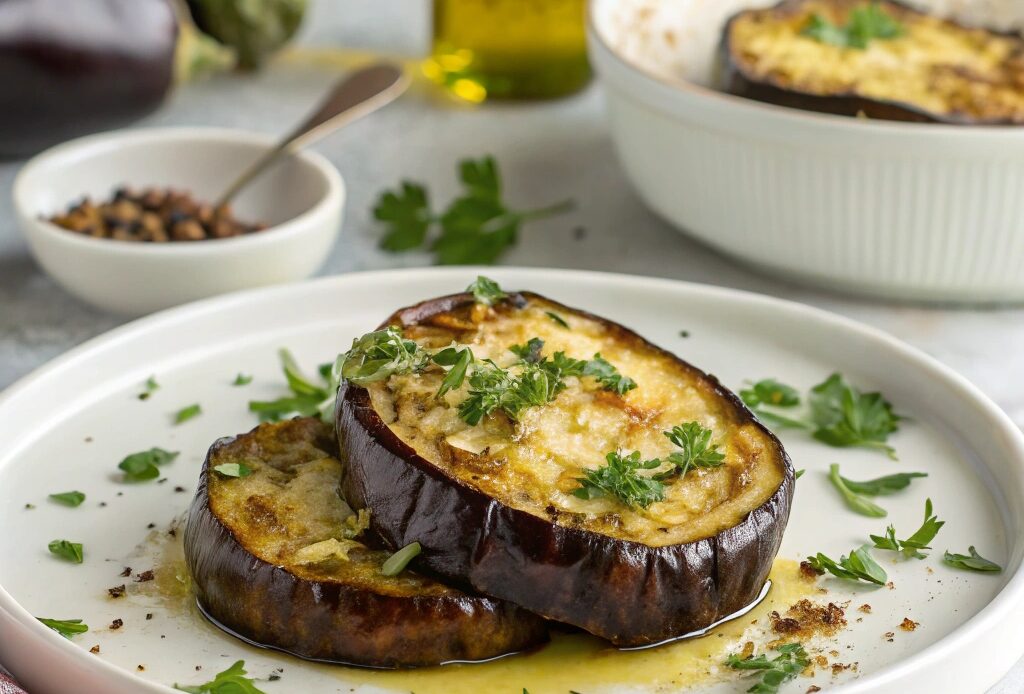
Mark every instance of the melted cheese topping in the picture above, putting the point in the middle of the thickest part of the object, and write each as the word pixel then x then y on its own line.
pixel 288 512
pixel 934 65
pixel 532 464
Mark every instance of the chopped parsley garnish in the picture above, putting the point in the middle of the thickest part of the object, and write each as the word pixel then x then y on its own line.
pixel 881 486
pixel 790 662
pixel 843 416
pixel 65 627
pixel 142 466
pixel 149 387
pixel 231 681
pixel 72 499
pixel 859 566
pixel 840 415
pixel 477 227
pixel 233 470
pixel 242 380
pixel 72 551
pixel 912 546
pixel 377 355
pixel 864 24
pixel 972 562
pixel 854 501
pixel 620 479
pixel 187 413
pixel 486 291
pixel 529 352
pixel 558 319
pixel 608 376
pixel 307 399
pixel 396 563
pixel 696 449
pixel 459 360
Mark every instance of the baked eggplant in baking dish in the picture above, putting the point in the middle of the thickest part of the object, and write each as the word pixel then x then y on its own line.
pixel 276 557
pixel 878 59
pixel 559 461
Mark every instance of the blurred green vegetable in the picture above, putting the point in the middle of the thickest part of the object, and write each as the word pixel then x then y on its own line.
pixel 252 28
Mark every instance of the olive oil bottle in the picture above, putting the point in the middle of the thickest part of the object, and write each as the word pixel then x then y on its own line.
pixel 509 49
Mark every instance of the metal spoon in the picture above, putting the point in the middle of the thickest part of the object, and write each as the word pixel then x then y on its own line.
pixel 353 97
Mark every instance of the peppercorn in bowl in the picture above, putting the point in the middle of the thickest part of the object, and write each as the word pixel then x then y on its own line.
pixel 126 221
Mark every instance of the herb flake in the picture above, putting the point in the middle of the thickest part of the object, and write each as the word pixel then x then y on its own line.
pixel 187 413
pixel 230 681
pixel 864 24
pixel 396 563
pixel 71 551
pixel 855 502
pixel 486 291
pixel 242 379
pixel 142 466
pixel 233 470
pixel 620 479
pixel 72 499
pixel 65 627
pixel 971 562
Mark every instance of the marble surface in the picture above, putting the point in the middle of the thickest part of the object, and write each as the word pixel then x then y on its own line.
pixel 548 151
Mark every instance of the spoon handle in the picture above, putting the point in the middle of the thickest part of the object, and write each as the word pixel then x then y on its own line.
pixel 353 97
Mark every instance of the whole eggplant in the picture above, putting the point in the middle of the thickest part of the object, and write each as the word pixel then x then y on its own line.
pixel 70 67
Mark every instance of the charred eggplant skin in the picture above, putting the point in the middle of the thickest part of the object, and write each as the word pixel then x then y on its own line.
pixel 330 620
pixel 627 592
pixel 736 80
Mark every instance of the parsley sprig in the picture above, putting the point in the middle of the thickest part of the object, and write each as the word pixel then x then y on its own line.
pixel 790 662
pixel 230 681
pixel 972 562
pixel 619 479
pixel 856 502
pixel 840 415
pixel 912 546
pixel 476 228
pixel 486 291
pixel 858 566
pixel 65 627
pixel 307 398
pixel 864 24
pixel 144 465
pixel 696 449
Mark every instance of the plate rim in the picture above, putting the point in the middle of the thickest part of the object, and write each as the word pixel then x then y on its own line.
pixel 1001 608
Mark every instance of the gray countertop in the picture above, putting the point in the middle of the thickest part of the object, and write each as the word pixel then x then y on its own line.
pixel 548 151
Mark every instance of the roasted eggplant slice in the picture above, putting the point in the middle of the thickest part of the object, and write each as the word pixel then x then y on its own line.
pixel 877 59
pixel 498 505
pixel 272 560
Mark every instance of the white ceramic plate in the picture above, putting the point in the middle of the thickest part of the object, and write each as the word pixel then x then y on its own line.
pixel 69 424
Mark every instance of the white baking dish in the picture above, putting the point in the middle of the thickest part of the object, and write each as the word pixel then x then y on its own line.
pixel 897 210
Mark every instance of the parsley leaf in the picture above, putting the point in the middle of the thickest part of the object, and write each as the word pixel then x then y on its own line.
pixel 142 466
pixel 558 319
pixel 883 485
pixel 150 386
pixel 406 214
pixel 608 376
pixel 843 416
pixel 790 662
pixel 460 361
pixel 768 391
pixel 65 627
pixel 233 469
pixel 477 227
pixel 308 399
pixel 697 449
pixel 486 291
pixel 854 501
pixel 859 566
pixel 72 551
pixel 396 563
pixel 187 413
pixel 242 380
pixel 974 562
pixel 529 352
pixel 919 540
pixel 379 354
pixel 864 23
pixel 72 499
pixel 230 681
pixel 620 479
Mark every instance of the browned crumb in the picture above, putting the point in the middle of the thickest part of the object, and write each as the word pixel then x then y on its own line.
pixel 198 668
pixel 748 650
pixel 837 668
pixel 116 624
pixel 145 576
pixel 173 532
pixel 834 653
pixel 890 585
pixel 149 616
pixel 179 489
pixel 821 661
pixel 889 635
pixel 813 688
pixel 127 572
pixel 929 569
pixel 140 668
pixel 859 620
pixel 806 619
pixel 865 608
pixel 116 591
pixel 95 649
pixel 908 624
pixel 808 572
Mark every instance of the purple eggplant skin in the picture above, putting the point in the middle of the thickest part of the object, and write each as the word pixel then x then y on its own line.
pixel 626 592
pixel 71 67
pixel 333 620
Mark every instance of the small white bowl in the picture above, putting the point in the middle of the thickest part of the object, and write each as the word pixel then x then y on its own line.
pixel 896 210
pixel 301 198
